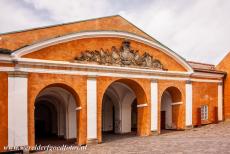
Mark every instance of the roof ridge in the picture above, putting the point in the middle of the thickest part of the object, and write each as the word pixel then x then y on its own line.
pixel 200 63
pixel 55 25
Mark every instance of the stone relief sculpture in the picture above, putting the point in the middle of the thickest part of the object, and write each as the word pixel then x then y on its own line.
pixel 125 56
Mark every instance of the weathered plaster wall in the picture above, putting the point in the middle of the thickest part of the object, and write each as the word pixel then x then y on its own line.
pixel 68 51
pixel 224 65
pixel 204 94
pixel 3 110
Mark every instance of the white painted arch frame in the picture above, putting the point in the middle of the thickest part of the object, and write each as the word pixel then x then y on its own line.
pixel 96 34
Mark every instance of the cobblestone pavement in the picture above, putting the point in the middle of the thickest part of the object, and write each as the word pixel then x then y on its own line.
pixel 214 138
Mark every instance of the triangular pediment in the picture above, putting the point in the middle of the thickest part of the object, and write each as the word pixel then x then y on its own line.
pixel 19 39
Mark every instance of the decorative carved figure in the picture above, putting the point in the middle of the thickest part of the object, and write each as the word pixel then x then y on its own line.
pixel 115 56
pixel 123 57
pixel 126 54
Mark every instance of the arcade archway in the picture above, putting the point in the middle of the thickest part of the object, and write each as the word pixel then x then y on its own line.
pixel 122 109
pixel 55 116
pixel 171 108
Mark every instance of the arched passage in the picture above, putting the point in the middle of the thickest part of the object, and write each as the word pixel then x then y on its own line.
pixel 171 116
pixel 56 116
pixel 124 106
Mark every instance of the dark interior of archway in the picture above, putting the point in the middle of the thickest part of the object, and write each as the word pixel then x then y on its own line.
pixel 50 117
pixel 112 111
pixel 45 120
pixel 134 116
pixel 46 125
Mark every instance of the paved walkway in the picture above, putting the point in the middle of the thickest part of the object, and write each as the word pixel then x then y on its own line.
pixel 214 138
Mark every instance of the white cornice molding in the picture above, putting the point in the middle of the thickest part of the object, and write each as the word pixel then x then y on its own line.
pixel 176 103
pixel 6 59
pixel 207 75
pixel 142 105
pixel 78 108
pixel 95 34
pixel 108 74
pixel 41 63
pixel 93 70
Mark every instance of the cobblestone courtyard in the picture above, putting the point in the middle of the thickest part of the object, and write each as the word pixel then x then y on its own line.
pixel 214 138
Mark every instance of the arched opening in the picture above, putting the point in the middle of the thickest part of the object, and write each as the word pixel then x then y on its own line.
pixel 171 106
pixel 55 116
pixel 119 110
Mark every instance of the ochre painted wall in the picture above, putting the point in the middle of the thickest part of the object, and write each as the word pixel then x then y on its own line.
pixel 204 94
pixel 178 111
pixel 141 87
pixel 3 110
pixel 224 65
pixel 68 51
pixel 37 82
pixel 17 40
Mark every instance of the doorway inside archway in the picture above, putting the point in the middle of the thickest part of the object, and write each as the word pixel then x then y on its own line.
pixel 55 117
pixel 119 112
pixel 171 106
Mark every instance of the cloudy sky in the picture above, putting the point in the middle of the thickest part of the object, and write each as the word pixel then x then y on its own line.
pixel 198 30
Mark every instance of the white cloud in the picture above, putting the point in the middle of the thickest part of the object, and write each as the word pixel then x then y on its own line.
pixel 15 17
pixel 197 30
pixel 63 10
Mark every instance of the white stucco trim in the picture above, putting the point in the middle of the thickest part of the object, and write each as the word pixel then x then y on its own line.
pixel 220 102
pixel 206 80
pixel 182 76
pixel 96 34
pixel 154 106
pixel 78 108
pixel 17 111
pixel 176 103
pixel 142 105
pixel 28 62
pixel 154 75
pixel 188 104
pixel 109 74
pixel 70 65
pixel 91 108
pixel 207 75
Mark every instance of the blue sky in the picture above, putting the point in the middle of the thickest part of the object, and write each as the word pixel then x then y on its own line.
pixel 198 30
